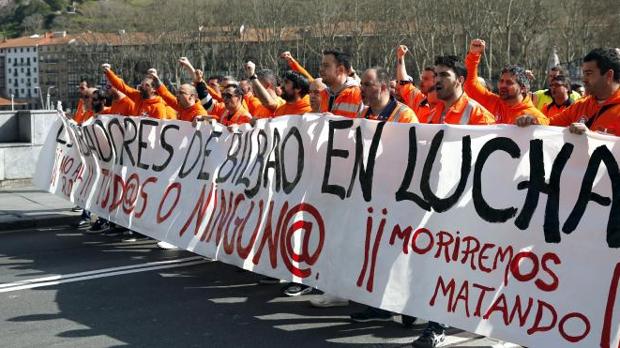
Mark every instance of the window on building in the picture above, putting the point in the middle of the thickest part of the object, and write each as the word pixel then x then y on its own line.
pixel 34 59
pixel 34 70
pixel 28 60
pixel 21 60
pixel 9 60
pixel 35 80
pixel 10 80
pixel 23 91
pixel 35 91
pixel 21 49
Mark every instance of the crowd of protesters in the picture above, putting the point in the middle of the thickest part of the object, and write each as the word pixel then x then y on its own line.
pixel 449 92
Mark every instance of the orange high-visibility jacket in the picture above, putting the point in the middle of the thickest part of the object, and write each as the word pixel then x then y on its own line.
pixel 295 66
pixel 504 113
pixel 224 117
pixel 186 114
pixel 84 116
pixel 153 107
pixel 299 107
pixel 345 102
pixel 395 111
pixel 78 116
pixel 124 106
pixel 604 117
pixel 258 110
pixel 465 111
pixel 552 109
pixel 416 100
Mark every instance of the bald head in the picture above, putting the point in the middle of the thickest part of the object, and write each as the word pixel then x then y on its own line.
pixel 187 95
pixel 315 89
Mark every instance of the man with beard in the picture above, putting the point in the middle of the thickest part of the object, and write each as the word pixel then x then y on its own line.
pixel 265 100
pixel 600 109
pixel 295 95
pixel 423 100
pixel 147 102
pixel 512 101
pixel 560 93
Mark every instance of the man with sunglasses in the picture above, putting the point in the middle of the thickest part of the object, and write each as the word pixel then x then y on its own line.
pixel 560 96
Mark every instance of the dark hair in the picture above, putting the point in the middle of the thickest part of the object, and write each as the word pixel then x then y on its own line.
pixel 519 73
pixel 342 58
pixel 267 75
pixel 558 68
pixel 454 63
pixel 564 80
pixel 237 89
pixel 606 59
pixel 299 82
pixel 576 85
pixel 98 94
pixel 215 77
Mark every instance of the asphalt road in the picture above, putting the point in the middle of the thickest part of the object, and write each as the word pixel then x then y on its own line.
pixel 61 288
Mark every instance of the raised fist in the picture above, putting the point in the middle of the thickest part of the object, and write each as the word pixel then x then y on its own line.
pixel 250 68
pixel 477 46
pixel 184 61
pixel 401 51
pixel 106 66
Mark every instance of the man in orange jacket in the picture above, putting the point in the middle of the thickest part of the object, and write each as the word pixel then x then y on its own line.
pixel 422 100
pixel 560 96
pixel 600 110
pixel 264 100
pixel 295 95
pixel 380 105
pixel 121 104
pixel 455 106
pixel 185 103
pixel 343 96
pixel 147 102
pixel 512 101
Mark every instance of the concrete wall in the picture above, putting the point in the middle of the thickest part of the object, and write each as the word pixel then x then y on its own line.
pixel 22 134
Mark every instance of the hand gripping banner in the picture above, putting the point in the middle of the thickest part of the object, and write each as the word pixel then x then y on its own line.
pixel 507 232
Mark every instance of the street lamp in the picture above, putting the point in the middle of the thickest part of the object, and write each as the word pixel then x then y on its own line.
pixel 12 102
pixel 48 97
pixel 40 95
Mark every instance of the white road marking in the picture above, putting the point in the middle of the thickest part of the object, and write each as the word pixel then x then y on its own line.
pixel 100 273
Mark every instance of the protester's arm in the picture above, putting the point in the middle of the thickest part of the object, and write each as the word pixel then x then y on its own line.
pixel 401 70
pixel 472 86
pixel 164 93
pixel 259 90
pixel 119 84
pixel 295 66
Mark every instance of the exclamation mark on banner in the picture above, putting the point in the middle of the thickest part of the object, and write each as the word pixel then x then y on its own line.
pixel 609 310
pixel 370 255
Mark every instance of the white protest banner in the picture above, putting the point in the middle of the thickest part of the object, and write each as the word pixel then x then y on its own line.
pixel 510 233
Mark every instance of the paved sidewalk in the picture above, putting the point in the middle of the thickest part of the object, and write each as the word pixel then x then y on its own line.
pixel 29 207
